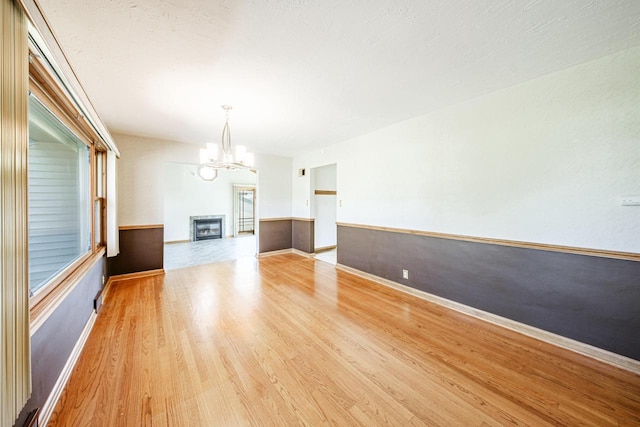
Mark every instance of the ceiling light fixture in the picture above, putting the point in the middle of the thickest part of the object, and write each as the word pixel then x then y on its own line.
pixel 239 160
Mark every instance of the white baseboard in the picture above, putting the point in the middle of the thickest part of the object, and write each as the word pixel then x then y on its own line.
pixel 274 253
pixel 58 388
pixel 605 356
pixel 286 251
pixel 302 253
pixel 137 275
pixel 325 249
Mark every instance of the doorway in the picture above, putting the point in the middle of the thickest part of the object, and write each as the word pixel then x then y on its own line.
pixel 324 209
pixel 244 214
pixel 189 199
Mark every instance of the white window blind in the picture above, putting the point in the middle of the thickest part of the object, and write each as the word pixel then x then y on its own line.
pixel 59 196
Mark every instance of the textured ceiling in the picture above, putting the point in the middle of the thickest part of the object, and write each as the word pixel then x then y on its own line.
pixel 306 74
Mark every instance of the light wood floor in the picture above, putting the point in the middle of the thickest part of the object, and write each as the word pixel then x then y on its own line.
pixel 292 341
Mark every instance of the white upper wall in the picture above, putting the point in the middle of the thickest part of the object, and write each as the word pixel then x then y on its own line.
pixel 325 177
pixel 141 183
pixel 274 186
pixel 545 161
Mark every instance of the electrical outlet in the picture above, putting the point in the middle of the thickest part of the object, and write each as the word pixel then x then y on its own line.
pixel 405 274
pixel 103 279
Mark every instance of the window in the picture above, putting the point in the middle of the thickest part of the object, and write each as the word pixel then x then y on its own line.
pixel 99 202
pixel 59 197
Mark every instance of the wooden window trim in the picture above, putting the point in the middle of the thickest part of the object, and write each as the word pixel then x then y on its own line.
pixel 53 96
pixel 42 293
pixel 92 197
pixel 69 279
pixel 42 96
pixel 102 200
pixel 46 89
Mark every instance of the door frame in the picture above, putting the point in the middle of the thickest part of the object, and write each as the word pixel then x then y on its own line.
pixel 237 188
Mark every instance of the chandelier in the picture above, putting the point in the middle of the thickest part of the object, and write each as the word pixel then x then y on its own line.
pixel 214 158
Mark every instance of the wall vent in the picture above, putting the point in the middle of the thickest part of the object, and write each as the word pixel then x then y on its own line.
pixel 97 302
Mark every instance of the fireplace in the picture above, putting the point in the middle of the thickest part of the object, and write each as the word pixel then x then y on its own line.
pixel 210 228
pixel 204 227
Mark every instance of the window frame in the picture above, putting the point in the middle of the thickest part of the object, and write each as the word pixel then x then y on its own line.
pixel 46 89
pixel 100 198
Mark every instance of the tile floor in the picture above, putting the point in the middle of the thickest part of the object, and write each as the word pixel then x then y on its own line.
pixel 188 254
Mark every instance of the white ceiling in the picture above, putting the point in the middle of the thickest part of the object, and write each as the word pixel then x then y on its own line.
pixel 307 74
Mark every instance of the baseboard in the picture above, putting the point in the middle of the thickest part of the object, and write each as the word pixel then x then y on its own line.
pixel 107 289
pixel 324 249
pixel 50 405
pixel 274 253
pixel 302 253
pixel 286 251
pixel 136 275
pixel 599 354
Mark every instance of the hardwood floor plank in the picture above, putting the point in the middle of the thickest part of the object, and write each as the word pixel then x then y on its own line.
pixel 288 340
pixel 455 353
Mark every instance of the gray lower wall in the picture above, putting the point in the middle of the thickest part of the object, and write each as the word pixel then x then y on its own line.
pixel 593 300
pixel 275 235
pixel 53 342
pixel 286 233
pixel 303 235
